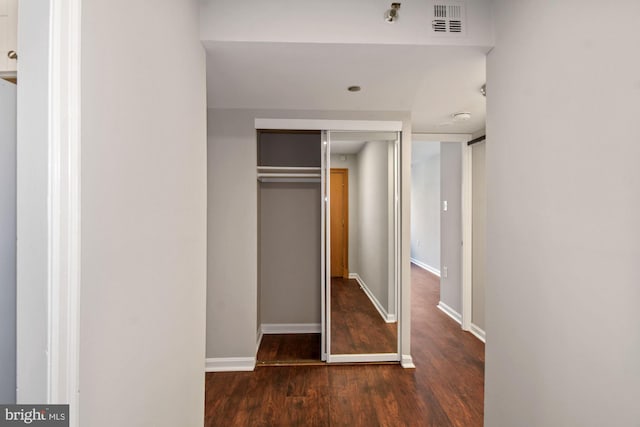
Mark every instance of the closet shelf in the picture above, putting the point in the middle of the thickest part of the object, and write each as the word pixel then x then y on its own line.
pixel 288 169
pixel 289 177
pixel 288 174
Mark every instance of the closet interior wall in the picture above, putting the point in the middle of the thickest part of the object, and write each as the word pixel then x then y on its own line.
pixel 289 231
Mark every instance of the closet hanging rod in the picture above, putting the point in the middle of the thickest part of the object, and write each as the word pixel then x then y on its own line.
pixel 291 168
pixel 288 179
pixel 289 175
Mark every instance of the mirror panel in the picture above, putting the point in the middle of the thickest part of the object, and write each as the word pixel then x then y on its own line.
pixel 362 225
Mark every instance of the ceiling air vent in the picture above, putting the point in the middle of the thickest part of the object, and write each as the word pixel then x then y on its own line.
pixel 448 18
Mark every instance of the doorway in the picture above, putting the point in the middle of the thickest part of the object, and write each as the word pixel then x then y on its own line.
pixel 449 203
pixel 339 223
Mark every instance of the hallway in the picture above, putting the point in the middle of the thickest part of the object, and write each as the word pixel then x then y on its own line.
pixel 445 389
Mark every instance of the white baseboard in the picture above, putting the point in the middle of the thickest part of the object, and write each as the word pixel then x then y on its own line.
pixel 359 358
pixel 259 340
pixel 389 318
pixel 230 364
pixel 478 332
pixel 450 312
pixel 424 266
pixel 291 328
pixel 407 362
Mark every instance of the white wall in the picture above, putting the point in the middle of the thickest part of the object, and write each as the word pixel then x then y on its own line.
pixel 7 242
pixel 289 242
pixel 562 318
pixel 232 225
pixel 334 21
pixel 232 234
pixel 32 193
pixel 425 207
pixel 373 219
pixel 144 219
pixel 451 225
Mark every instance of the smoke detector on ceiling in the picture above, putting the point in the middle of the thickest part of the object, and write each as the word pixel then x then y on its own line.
pixel 462 117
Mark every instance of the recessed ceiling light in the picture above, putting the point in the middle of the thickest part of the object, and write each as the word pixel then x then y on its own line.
pixel 354 88
pixel 461 116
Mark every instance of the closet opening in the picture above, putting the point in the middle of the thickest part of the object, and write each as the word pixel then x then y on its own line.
pixel 289 247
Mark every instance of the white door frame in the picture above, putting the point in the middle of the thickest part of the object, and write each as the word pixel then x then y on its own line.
pixel 397 245
pixel 64 206
pixel 466 192
pixel 467 236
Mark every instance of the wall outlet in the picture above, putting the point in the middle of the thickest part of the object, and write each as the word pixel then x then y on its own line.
pixel 445 206
pixel 445 272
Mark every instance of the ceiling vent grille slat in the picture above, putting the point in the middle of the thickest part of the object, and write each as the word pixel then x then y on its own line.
pixel 440 26
pixel 449 18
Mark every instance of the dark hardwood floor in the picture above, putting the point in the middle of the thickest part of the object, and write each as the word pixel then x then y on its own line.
pixel 356 325
pixel 279 349
pixel 445 389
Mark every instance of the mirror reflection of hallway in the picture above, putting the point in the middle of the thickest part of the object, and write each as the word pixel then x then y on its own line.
pixel 363 285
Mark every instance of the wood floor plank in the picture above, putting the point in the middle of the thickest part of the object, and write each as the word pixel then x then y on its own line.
pixel 289 347
pixel 356 325
pixel 445 389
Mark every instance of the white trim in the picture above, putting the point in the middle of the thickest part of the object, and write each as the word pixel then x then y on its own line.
pixel 290 328
pixel 64 206
pixel 389 318
pixel 478 332
pixel 467 236
pixel 407 362
pixel 8 74
pixel 259 340
pixel 327 244
pixel 230 364
pixel 324 307
pixel 403 167
pixel 397 238
pixel 359 358
pixel 450 312
pixel 341 125
pixel 424 266
pixel 441 137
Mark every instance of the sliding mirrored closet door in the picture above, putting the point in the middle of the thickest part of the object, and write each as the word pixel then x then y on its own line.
pixel 328 236
pixel 361 271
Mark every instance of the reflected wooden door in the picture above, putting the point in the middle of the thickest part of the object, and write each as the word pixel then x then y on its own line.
pixel 339 222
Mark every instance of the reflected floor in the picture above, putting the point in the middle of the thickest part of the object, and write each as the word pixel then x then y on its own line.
pixel 356 325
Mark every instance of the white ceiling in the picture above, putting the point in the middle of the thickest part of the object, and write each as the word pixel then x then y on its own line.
pixel 346 147
pixel 432 82
pixel 352 142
